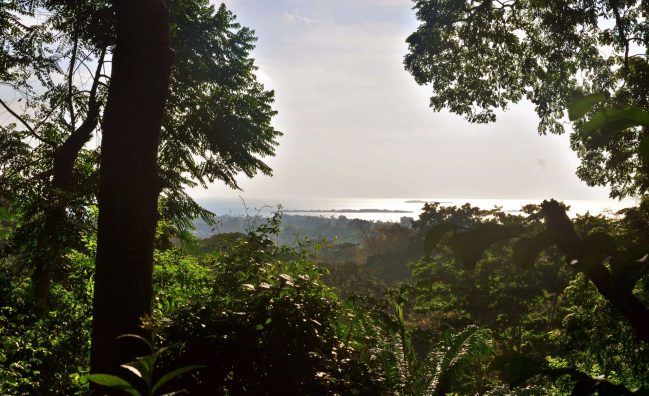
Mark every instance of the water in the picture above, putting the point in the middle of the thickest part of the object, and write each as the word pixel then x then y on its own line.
pixel 333 207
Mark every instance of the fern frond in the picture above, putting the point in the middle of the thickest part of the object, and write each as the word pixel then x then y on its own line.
pixel 452 356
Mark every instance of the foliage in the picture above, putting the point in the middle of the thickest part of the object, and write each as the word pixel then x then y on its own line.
pixel 584 339
pixel 269 326
pixel 480 56
pixel 46 354
pixel 178 279
pixel 260 301
pixel 55 53
pixel 142 367
pixel 391 355
pixel 454 355
pixel 614 274
pixel 218 116
pixel 263 318
pixel 518 369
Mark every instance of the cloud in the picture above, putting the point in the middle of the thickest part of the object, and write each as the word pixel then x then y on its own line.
pixel 295 17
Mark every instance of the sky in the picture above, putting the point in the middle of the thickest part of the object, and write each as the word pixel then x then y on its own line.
pixel 356 124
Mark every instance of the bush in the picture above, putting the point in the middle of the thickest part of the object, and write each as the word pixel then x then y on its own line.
pixel 270 326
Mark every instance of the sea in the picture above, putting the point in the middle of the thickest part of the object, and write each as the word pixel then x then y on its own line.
pixel 385 209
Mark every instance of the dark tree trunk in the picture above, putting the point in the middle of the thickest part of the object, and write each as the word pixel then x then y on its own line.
pixel 129 184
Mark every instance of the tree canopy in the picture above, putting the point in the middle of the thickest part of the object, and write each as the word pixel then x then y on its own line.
pixel 217 121
pixel 56 59
pixel 479 56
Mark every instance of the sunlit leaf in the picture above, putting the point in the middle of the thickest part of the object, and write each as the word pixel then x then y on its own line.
pixel 175 393
pixel 133 369
pixel 113 381
pixel 173 374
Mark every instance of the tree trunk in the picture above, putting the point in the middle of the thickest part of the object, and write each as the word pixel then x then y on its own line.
pixel 129 184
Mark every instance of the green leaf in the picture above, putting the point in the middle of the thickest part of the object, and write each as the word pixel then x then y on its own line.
pixel 635 115
pixel 435 234
pixel 611 121
pixel 113 381
pixel 594 123
pixel 173 374
pixel 470 245
pixel 142 368
pixel 643 390
pixel 579 107
pixel 137 337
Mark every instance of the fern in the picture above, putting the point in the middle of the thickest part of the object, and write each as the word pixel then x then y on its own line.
pixel 453 355
pixel 432 376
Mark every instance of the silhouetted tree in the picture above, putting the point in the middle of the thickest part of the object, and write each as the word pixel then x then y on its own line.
pixel 481 55
pixel 129 184
pixel 216 123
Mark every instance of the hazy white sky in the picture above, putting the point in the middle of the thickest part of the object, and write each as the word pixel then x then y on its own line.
pixel 357 125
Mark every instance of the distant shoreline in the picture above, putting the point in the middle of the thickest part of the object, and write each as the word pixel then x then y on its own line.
pixel 422 201
pixel 345 211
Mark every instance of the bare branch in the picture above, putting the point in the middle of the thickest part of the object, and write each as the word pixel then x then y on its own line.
pixel 620 25
pixel 73 60
pixel 98 75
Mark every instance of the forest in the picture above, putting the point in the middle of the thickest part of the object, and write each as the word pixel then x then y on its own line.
pixel 113 280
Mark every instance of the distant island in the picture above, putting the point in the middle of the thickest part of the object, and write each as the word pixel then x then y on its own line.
pixel 345 211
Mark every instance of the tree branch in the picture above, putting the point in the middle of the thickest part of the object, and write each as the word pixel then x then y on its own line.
pixel 73 60
pixel 66 155
pixel 31 130
pixel 619 23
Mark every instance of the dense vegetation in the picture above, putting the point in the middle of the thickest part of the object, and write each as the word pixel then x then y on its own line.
pixel 266 318
pixel 104 288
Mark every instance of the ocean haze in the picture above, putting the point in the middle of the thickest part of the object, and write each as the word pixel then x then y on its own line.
pixel 357 125
pixel 383 209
